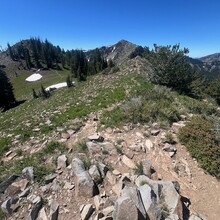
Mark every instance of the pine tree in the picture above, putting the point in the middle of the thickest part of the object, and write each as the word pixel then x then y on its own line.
pixel 45 94
pixel 35 96
pixel 27 58
pixel 11 54
pixel 7 98
pixel 69 82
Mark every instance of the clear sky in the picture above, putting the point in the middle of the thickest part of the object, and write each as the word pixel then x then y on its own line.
pixel 87 24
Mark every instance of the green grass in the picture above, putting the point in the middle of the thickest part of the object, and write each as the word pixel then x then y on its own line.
pixel 37 160
pixel 4 145
pixel 23 89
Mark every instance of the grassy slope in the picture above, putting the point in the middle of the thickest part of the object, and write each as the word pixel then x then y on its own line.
pixel 98 92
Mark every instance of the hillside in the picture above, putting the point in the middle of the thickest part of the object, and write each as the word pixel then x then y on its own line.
pixel 112 143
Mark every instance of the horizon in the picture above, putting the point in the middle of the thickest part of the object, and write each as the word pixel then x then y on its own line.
pixel 88 25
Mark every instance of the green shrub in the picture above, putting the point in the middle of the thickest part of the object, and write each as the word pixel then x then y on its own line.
pixel 200 139
pixel 139 169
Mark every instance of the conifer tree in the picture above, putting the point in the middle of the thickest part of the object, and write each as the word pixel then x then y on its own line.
pixel 69 82
pixel 7 98
pixel 27 58
pixel 35 96
pixel 11 54
pixel 45 94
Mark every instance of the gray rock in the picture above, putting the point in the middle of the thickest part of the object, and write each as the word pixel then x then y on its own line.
pixel 149 199
pixel 103 169
pixel 54 210
pixel 10 205
pixel 109 148
pixel 65 135
pixel 42 214
pixel 169 148
pixel 155 132
pixel 37 201
pixel 5 184
pixel 124 206
pixel 24 193
pixel 128 162
pixel 61 161
pixel 94 148
pixel 149 145
pixel 96 137
pixel 84 185
pixel 135 196
pixel 86 211
pixel 95 174
pixel 77 166
pixel 50 178
pixel 147 168
pixel 28 172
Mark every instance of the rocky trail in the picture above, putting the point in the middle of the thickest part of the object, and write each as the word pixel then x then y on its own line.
pixel 135 172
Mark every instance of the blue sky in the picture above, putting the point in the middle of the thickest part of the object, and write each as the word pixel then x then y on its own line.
pixel 87 24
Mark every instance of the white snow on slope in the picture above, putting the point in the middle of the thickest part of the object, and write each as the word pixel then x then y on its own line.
pixel 34 77
pixel 56 86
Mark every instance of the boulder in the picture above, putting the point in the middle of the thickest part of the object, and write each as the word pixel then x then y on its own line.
pixel 42 214
pixel 84 185
pixel 135 196
pixel 124 206
pixel 5 184
pixel 10 205
pixel 37 201
pixel 149 201
pixel 77 166
pixel 95 174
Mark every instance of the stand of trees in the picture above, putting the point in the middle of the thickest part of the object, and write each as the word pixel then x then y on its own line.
pixel 43 54
pixel 171 68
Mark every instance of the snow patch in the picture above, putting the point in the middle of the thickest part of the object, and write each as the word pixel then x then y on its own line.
pixel 34 77
pixel 56 86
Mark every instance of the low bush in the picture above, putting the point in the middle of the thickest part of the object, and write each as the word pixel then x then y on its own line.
pixel 200 139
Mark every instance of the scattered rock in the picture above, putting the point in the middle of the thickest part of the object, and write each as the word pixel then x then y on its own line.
pixel 124 206
pixel 10 205
pixel 96 137
pixel 28 172
pixel 50 178
pixel 128 162
pixel 155 132
pixel 169 148
pixel 84 185
pixel 86 211
pixel 95 174
pixel 42 215
pixel 54 210
pixel 21 184
pixel 37 201
pixel 149 145
pixel 5 184
pixel 65 135
pixel 61 161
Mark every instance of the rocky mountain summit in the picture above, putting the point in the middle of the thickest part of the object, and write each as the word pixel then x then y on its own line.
pixel 136 172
